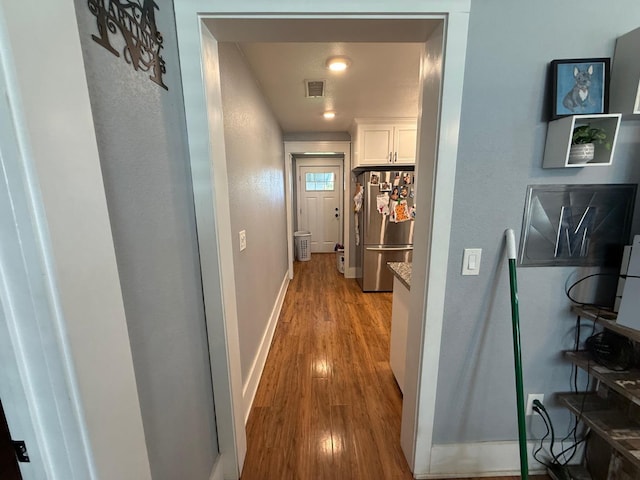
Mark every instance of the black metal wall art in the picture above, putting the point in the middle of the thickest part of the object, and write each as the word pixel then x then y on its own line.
pixel 139 39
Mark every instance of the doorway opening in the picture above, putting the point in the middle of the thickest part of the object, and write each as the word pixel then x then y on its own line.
pixel 319 191
pixel 444 51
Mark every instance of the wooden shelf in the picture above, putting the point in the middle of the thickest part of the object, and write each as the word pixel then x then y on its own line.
pixel 612 424
pixel 626 383
pixel 607 319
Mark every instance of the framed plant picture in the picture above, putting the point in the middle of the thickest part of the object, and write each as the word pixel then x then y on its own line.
pixel 579 86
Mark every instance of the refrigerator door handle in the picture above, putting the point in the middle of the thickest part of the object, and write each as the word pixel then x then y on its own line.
pixel 389 249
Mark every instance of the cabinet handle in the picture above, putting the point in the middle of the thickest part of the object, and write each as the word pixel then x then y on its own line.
pixel 390 153
pixel 395 157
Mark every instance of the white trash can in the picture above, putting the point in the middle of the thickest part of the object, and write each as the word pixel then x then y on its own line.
pixel 303 245
pixel 340 260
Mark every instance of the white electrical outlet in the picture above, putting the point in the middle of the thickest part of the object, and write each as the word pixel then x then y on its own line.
pixel 530 398
pixel 243 239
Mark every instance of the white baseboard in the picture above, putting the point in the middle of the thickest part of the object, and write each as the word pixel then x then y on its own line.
pixel 251 385
pixel 350 272
pixel 216 473
pixel 483 459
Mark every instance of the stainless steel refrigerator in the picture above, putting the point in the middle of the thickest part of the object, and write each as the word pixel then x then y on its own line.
pixel 382 240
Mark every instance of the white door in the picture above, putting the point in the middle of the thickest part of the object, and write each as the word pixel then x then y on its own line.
pixel 319 203
pixel 35 371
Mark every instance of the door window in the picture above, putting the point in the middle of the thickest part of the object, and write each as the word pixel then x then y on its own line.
pixel 320 182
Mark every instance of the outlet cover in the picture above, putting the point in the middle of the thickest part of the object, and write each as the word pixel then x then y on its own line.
pixel 530 398
pixel 471 261
pixel 243 239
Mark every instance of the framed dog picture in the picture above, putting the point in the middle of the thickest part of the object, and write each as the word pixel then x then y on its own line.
pixel 579 86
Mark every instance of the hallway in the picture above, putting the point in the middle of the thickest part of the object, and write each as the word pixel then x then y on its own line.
pixel 327 406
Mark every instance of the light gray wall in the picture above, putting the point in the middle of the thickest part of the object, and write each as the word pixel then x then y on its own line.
pixel 502 139
pixel 141 135
pixel 255 168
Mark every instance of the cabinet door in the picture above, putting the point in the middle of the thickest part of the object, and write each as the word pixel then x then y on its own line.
pixel 399 327
pixel 376 145
pixel 405 145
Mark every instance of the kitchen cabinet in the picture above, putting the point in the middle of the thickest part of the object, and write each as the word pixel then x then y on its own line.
pixel 399 320
pixel 559 132
pixel 611 411
pixel 384 142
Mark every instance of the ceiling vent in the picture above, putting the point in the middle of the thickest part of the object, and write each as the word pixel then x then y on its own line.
pixel 314 88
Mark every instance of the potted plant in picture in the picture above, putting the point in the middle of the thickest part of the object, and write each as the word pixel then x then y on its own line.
pixel 584 141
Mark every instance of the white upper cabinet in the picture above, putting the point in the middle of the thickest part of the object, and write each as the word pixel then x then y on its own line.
pixel 384 142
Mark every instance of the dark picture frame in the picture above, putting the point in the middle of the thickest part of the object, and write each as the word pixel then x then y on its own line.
pixel 580 86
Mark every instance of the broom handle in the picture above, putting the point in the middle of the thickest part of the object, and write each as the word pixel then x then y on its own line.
pixel 515 321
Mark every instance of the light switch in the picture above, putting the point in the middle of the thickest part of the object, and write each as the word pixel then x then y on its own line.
pixel 471 261
pixel 243 239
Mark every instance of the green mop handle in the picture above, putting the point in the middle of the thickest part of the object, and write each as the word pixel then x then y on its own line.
pixel 515 320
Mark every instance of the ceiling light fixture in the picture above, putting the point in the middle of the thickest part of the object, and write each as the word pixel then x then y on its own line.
pixel 338 64
pixel 329 115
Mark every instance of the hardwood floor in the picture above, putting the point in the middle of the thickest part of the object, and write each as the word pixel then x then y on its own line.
pixel 327 406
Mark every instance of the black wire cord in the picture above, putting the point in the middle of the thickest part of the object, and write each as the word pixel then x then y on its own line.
pixel 574 384
pixel 541 447
pixel 540 408
pixel 607 348
pixel 595 305
pixel 578 282
pixel 556 459
pixel 542 411
pixel 573 432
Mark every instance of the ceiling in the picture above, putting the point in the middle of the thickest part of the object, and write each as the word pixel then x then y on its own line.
pixel 382 80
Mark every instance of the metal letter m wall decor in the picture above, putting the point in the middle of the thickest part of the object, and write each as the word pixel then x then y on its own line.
pixel 140 42
pixel 582 225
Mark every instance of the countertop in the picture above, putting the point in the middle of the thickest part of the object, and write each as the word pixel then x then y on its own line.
pixel 402 271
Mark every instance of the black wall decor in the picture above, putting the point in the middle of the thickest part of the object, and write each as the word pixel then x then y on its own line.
pixel 140 42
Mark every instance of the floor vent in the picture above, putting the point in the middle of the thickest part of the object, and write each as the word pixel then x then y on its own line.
pixel 314 88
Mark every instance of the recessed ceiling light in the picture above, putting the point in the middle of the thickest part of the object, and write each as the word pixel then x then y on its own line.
pixel 329 115
pixel 338 64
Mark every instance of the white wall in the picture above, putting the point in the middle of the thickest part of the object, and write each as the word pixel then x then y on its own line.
pixel 502 138
pixel 255 169
pixel 141 134
pixel 50 102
